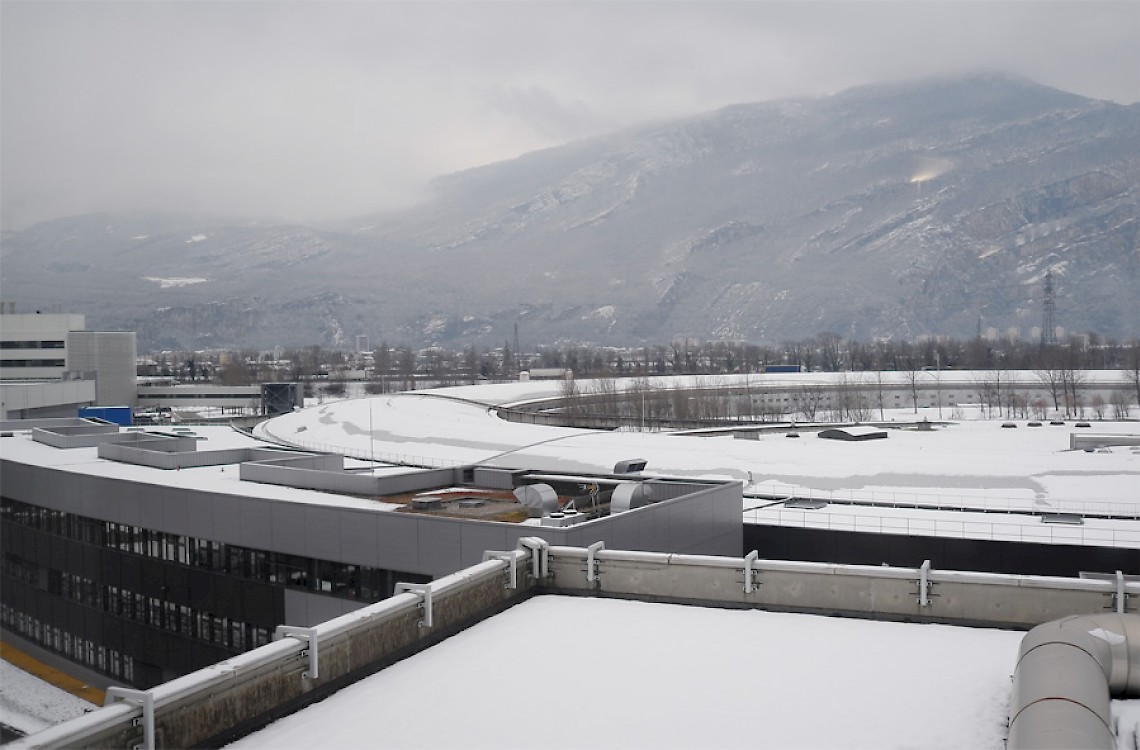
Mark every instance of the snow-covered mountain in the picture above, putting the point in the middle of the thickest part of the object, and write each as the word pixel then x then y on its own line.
pixel 897 210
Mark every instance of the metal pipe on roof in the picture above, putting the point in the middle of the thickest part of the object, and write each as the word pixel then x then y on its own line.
pixel 1067 672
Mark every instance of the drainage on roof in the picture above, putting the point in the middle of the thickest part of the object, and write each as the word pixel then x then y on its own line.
pixel 1068 670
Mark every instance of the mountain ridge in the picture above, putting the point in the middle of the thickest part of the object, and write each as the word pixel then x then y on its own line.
pixel 887 210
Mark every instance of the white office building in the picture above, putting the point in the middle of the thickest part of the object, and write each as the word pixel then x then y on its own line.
pixel 50 365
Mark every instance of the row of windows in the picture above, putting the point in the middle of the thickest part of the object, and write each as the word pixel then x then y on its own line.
pixel 132 605
pixel 31 345
pixel 32 363
pixel 325 576
pixel 106 660
pixel 197 396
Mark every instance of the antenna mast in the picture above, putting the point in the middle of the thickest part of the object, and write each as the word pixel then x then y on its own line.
pixel 1048 324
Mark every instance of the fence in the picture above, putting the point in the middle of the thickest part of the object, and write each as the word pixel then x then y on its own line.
pixel 941 500
pixel 1031 532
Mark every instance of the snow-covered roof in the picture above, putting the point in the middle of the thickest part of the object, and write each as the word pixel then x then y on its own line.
pixel 573 672
pixel 999 480
pixel 973 466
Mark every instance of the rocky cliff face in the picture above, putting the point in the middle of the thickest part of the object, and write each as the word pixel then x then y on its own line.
pixel 882 211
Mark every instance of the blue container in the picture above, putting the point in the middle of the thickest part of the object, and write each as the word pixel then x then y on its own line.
pixel 120 415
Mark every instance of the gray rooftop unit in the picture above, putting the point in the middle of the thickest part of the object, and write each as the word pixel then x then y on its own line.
pixel 629 495
pixel 427 503
pixel 539 499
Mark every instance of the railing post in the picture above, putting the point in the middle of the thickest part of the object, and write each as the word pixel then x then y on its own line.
pixel 924 584
pixel 424 590
pixel 309 636
pixel 143 698
pixel 540 555
pixel 592 562
pixel 508 557
pixel 749 571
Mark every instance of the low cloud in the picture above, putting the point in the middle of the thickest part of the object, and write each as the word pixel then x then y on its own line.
pixel 310 110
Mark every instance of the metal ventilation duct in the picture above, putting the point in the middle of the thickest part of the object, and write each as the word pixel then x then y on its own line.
pixel 629 495
pixel 540 499
pixel 1067 672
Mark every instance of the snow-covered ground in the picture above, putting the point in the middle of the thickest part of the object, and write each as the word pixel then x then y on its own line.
pixel 29 704
pixel 574 673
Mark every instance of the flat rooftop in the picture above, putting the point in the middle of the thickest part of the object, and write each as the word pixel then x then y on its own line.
pixel 968 478
pixel 573 672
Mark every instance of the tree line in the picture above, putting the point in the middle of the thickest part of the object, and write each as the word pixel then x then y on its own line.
pixel 388 368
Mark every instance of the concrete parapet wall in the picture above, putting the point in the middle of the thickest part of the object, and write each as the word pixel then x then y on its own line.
pixel 164 459
pixel 864 591
pixel 84 436
pixel 326 472
pixel 217 704
pixel 496 479
pixel 13 425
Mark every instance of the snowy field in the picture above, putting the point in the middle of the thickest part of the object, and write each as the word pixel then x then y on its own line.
pixel 574 673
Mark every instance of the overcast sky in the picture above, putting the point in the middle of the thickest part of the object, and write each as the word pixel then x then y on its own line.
pixel 310 110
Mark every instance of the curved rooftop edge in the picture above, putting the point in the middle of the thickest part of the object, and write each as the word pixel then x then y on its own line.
pixel 966 478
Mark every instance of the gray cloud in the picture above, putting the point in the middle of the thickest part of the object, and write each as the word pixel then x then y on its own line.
pixel 542 111
pixel 304 110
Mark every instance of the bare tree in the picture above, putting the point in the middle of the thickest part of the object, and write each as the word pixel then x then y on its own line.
pixel 911 376
pixel 879 393
pixel 608 400
pixel 1073 381
pixel 937 376
pixel 406 367
pixel 808 400
pixel 1098 405
pixel 570 399
pixel 988 385
pixel 830 350
pixel 1119 399
pixel 1050 375
pixel 639 392
pixel 1132 370
pixel 859 402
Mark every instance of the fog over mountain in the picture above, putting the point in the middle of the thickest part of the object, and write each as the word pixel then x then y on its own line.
pixel 893 210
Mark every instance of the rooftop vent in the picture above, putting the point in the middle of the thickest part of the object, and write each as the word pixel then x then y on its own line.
pixel 804 503
pixel 630 466
pixel 1072 519
pixel 427 503
pixel 472 502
